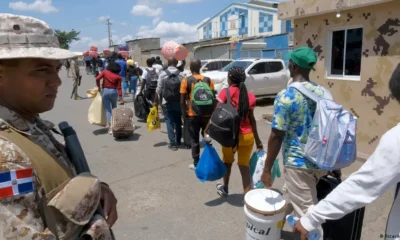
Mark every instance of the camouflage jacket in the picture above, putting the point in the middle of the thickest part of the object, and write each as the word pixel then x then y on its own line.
pixel 19 215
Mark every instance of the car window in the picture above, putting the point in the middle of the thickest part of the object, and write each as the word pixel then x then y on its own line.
pixel 242 64
pixel 203 63
pixel 212 66
pixel 274 67
pixel 259 68
pixel 224 63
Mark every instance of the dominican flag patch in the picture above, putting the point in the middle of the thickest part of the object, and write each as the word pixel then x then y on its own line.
pixel 16 182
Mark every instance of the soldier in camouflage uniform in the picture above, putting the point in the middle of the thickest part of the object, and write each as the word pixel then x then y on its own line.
pixel 29 64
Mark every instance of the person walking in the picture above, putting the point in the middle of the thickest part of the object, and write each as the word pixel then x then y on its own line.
pixel 150 80
pixel 67 66
pixel 30 152
pixel 157 64
pixel 93 63
pixel 87 60
pixel 379 173
pixel 132 75
pixel 293 113
pixel 120 60
pixel 168 88
pixel 100 64
pixel 76 78
pixel 111 89
pixel 197 119
pixel 245 103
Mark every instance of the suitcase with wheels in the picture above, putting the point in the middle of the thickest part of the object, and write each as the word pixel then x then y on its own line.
pixel 122 122
pixel 347 228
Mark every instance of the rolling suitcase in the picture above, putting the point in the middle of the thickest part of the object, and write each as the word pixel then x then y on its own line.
pixel 122 122
pixel 347 228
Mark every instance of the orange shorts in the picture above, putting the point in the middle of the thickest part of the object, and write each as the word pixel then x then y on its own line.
pixel 244 150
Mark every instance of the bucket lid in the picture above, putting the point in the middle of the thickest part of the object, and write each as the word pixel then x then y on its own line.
pixel 265 201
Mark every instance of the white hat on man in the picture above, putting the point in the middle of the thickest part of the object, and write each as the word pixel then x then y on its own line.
pixel 28 37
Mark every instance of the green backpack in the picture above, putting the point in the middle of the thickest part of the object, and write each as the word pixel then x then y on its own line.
pixel 203 98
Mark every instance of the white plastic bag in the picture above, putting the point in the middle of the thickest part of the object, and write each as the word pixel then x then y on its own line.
pixel 97 113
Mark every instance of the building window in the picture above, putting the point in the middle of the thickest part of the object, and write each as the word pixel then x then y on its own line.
pixel 346 52
pixel 232 24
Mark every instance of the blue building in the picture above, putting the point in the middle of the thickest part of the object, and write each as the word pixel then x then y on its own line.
pixel 253 19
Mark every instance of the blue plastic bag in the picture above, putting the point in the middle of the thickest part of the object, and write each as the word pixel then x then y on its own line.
pixel 210 167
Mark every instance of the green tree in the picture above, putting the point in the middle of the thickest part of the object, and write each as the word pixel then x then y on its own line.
pixel 65 38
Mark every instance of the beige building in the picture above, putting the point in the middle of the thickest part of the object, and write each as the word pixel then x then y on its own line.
pixel 358 45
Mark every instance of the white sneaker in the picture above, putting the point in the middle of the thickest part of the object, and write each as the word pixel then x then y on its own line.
pixel 191 166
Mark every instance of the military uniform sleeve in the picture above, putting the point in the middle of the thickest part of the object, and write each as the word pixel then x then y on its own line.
pixel 19 216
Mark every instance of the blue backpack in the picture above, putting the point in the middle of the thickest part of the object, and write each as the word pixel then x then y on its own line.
pixel 331 143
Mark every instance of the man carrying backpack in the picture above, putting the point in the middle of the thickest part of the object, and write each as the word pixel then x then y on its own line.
pixel 292 120
pixel 197 104
pixel 168 87
pixel 149 80
pixel 379 173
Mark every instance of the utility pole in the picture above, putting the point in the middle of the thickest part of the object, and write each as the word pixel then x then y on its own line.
pixel 109 32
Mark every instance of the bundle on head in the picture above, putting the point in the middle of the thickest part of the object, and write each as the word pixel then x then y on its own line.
pixel 114 67
pixel 237 77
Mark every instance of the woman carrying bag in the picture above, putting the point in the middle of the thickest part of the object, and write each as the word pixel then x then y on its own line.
pixel 111 89
pixel 245 103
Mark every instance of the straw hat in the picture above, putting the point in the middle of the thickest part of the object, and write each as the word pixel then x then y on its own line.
pixel 28 37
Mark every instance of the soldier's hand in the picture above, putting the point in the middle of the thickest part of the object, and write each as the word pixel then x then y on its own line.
pixel 110 204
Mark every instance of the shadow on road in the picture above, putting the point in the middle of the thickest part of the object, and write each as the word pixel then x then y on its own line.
pixel 265 102
pixel 135 137
pixel 100 131
pixel 234 200
pixel 289 236
pixel 160 144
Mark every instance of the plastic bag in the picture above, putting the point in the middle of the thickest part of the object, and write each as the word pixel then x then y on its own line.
pixel 97 112
pixel 153 122
pixel 210 166
pixel 257 164
pixel 91 93
pixel 142 108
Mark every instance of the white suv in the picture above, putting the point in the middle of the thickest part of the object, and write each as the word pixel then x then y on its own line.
pixel 214 64
pixel 264 77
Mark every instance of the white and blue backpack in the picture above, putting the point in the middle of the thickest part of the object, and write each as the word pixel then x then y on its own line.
pixel 331 143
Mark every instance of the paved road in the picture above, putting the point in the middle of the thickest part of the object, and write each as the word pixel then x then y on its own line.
pixel 159 197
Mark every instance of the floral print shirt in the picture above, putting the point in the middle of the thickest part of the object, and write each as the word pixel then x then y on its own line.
pixel 293 114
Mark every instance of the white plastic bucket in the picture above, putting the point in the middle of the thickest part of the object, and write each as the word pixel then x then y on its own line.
pixel 265 211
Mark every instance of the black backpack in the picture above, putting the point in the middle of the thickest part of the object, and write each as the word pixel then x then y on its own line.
pixel 225 123
pixel 172 85
pixel 152 79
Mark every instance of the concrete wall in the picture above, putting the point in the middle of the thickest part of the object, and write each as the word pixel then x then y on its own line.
pixel 307 8
pixel 368 98
pixel 213 52
pixel 139 45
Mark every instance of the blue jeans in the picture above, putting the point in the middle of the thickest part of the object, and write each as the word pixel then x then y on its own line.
pixel 173 118
pixel 110 98
pixel 122 85
pixel 134 80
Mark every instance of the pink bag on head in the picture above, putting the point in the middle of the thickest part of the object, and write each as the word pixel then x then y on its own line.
pixel 106 52
pixel 125 54
pixel 85 53
pixel 94 48
pixel 172 50
pixel 93 54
